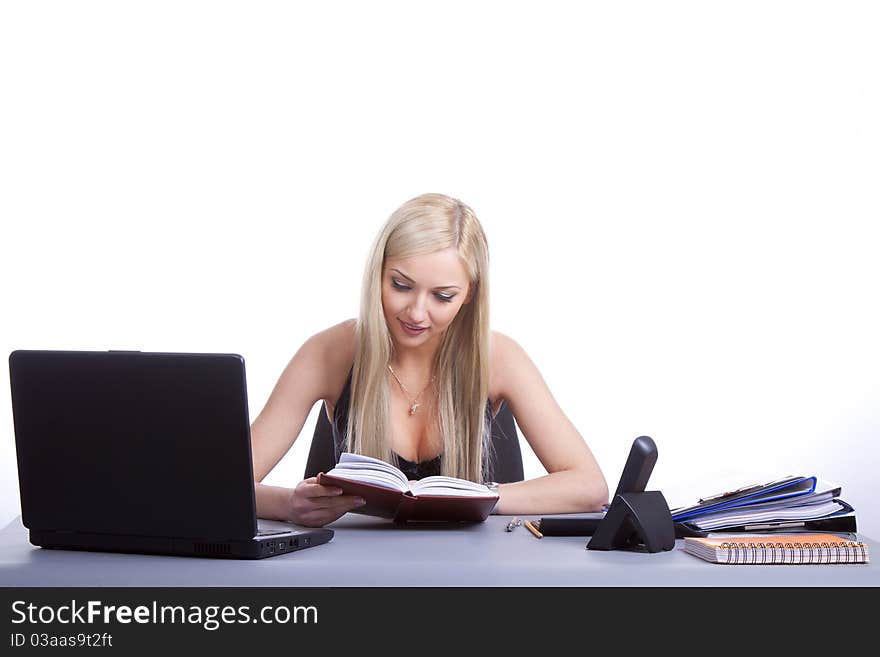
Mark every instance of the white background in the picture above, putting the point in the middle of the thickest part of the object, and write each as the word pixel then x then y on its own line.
pixel 680 200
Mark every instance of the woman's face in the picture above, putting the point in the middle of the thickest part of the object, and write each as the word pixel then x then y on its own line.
pixel 422 295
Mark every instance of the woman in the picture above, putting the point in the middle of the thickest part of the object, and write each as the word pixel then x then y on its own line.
pixel 422 373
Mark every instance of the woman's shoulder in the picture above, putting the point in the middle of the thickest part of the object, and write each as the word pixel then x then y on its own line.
pixel 337 345
pixel 502 351
pixel 501 341
pixel 339 336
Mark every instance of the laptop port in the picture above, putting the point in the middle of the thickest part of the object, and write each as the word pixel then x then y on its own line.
pixel 306 541
pixel 272 548
pixel 293 542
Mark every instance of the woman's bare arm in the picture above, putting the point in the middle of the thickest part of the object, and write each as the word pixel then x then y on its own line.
pixel 575 482
pixel 312 375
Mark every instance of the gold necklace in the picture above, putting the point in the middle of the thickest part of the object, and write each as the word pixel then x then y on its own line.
pixel 414 402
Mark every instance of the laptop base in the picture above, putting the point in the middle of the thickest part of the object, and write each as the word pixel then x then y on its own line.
pixel 259 547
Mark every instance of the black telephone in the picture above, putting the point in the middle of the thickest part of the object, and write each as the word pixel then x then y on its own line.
pixel 636 472
pixel 638 467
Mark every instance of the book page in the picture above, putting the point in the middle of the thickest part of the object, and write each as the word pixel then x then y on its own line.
pixel 356 467
pixel 439 485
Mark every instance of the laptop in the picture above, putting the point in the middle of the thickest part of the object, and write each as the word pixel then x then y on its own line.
pixel 140 452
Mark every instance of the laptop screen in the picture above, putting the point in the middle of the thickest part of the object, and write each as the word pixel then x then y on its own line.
pixel 134 443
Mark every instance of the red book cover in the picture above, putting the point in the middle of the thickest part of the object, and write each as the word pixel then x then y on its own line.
pixel 398 506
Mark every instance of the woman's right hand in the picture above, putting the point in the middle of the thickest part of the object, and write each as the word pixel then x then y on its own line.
pixel 313 505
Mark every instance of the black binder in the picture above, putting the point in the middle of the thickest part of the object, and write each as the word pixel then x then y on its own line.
pixel 842 523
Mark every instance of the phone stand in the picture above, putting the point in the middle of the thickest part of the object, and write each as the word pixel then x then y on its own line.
pixel 635 519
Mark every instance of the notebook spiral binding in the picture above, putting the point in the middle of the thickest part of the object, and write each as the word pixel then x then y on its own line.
pixel 807 552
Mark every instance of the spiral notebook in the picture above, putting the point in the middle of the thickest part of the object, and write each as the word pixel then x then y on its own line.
pixel 790 549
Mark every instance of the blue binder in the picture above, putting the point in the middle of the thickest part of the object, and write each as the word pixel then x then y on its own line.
pixel 792 486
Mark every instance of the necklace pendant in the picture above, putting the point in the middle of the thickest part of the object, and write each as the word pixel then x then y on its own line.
pixel 414 408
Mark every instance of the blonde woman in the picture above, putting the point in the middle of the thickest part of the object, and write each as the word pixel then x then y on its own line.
pixel 417 379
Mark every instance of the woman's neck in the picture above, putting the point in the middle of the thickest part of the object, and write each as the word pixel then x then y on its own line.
pixel 415 363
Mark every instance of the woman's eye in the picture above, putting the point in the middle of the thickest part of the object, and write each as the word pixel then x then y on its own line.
pixel 397 285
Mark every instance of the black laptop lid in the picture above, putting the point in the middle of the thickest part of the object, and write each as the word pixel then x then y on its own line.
pixel 147 444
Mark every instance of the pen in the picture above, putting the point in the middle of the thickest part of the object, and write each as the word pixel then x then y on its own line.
pixel 531 527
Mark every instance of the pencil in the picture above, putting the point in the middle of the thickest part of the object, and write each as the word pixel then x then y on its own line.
pixel 531 528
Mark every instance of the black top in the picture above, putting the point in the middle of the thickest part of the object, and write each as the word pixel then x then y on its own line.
pixel 412 469
pixel 328 443
pixel 418 470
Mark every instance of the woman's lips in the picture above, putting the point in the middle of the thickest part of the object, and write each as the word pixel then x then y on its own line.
pixel 409 329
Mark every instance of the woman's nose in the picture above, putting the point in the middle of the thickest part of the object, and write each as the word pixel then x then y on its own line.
pixel 418 310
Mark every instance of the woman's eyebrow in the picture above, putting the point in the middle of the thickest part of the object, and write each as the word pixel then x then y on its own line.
pixel 439 287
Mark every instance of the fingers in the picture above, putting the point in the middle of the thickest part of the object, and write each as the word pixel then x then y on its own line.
pixel 327 497
pixel 342 503
pixel 316 505
pixel 334 508
pixel 311 488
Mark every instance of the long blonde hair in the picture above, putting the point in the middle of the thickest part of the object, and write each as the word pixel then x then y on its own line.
pixel 426 224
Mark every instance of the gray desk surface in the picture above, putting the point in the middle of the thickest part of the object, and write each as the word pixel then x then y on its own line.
pixel 373 552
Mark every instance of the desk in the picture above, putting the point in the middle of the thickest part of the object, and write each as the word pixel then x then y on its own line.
pixel 374 552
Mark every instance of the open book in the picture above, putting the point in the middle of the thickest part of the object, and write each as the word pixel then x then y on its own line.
pixel 389 495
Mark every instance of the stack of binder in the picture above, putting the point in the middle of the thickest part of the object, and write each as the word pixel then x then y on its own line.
pixel 794 502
